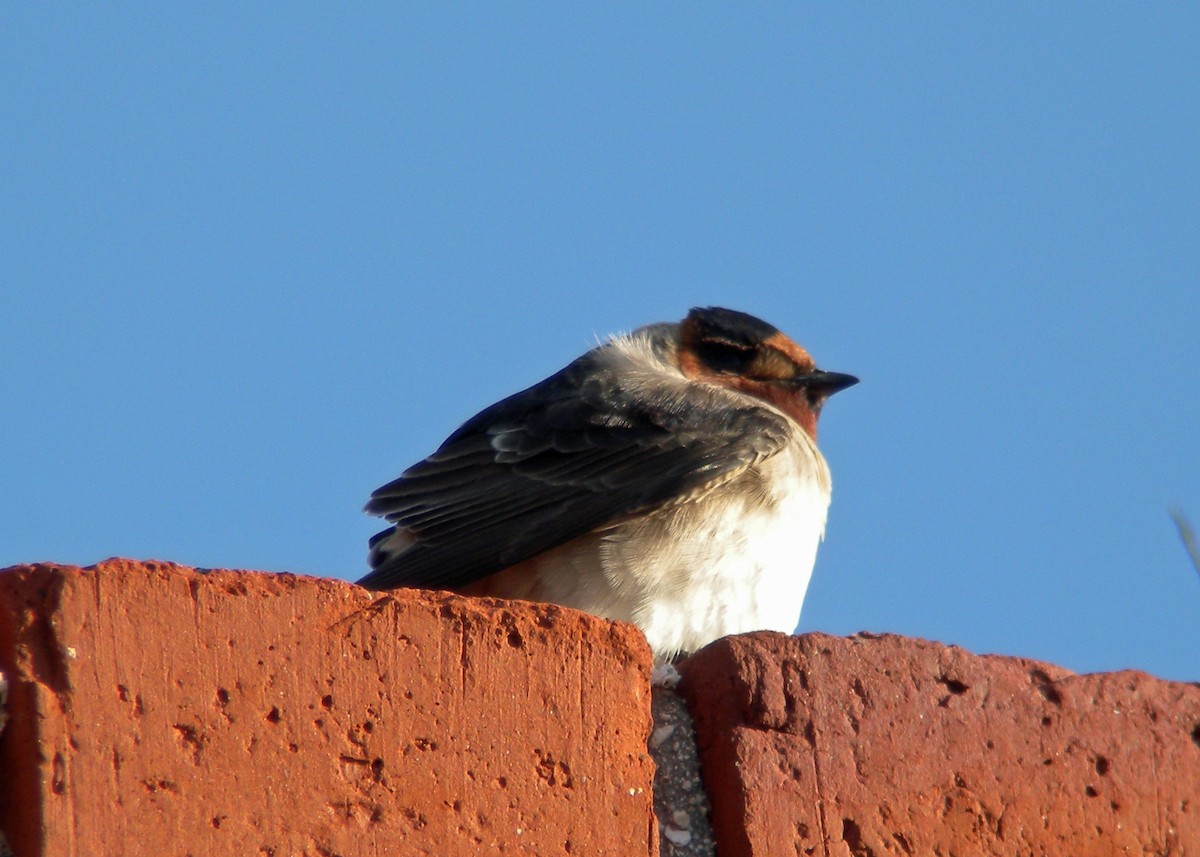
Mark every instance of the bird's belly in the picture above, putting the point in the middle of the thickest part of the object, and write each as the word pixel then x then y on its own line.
pixel 739 560
pixel 735 570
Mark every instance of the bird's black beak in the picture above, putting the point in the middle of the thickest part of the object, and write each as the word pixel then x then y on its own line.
pixel 824 383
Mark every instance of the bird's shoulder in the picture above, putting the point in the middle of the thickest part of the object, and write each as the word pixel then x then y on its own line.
pixel 628 391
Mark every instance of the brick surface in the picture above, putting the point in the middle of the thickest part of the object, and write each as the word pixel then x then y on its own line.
pixel 159 710
pixel 891 746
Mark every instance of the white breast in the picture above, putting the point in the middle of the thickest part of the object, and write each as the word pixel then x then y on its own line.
pixel 737 559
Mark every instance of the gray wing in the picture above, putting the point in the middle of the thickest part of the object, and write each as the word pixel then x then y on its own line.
pixel 568 455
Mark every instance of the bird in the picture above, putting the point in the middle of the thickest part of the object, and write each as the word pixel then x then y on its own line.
pixel 668 477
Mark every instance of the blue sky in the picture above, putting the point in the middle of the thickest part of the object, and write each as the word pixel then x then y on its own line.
pixel 254 263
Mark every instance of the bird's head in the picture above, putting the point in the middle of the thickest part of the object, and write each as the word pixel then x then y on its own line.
pixel 744 353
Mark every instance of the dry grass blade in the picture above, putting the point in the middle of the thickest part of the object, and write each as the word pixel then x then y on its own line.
pixel 1188 536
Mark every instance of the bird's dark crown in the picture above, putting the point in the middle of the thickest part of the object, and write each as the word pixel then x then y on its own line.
pixel 728 325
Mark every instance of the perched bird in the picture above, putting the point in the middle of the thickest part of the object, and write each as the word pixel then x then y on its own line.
pixel 669 477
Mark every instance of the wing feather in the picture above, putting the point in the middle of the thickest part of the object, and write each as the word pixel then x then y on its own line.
pixel 580 450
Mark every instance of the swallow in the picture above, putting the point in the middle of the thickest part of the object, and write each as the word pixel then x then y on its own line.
pixel 669 477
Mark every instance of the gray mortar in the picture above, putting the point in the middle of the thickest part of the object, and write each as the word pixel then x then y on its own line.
pixel 680 801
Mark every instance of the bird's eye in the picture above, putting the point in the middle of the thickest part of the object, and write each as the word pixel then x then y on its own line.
pixel 771 365
pixel 723 356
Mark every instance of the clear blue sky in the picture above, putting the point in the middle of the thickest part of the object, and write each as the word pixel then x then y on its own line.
pixel 254 264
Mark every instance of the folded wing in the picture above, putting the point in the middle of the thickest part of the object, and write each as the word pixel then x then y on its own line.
pixel 576 452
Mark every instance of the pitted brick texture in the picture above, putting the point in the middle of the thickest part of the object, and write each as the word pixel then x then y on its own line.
pixel 871 746
pixel 158 710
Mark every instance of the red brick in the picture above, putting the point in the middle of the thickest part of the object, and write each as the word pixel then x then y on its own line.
pixel 878 745
pixel 155 709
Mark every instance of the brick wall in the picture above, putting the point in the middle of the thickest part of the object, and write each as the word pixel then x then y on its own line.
pixel 155 709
